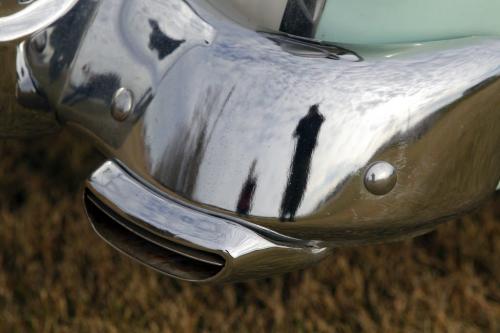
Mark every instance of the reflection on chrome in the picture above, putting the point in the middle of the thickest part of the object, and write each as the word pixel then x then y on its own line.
pixel 243 147
pixel 306 133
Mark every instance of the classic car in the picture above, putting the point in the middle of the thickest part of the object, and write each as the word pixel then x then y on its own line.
pixel 251 137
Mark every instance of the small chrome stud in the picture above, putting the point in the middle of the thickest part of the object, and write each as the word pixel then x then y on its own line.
pixel 380 178
pixel 122 104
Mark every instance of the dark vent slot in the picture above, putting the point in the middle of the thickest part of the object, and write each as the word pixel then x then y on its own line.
pixel 157 252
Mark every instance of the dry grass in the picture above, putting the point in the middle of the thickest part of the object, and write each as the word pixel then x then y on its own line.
pixel 58 276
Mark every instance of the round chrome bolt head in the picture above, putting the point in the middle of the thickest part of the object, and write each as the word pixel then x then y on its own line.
pixel 122 104
pixel 380 178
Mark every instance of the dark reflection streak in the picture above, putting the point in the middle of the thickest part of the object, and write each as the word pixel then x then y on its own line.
pixel 66 37
pixel 97 86
pixel 188 152
pixel 245 199
pixel 144 101
pixel 298 18
pixel 160 42
pixel 220 113
pixel 306 133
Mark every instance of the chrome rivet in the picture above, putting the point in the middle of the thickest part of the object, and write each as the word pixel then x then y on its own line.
pixel 380 178
pixel 122 104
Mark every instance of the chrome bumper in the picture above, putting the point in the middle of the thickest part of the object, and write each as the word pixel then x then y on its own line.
pixel 255 152
pixel 186 242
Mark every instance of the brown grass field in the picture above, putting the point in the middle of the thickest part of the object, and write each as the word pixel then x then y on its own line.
pixel 56 275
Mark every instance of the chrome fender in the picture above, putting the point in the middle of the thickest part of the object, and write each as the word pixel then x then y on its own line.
pixel 236 152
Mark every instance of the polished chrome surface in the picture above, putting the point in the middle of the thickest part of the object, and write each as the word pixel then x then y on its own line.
pixel 380 178
pixel 27 94
pixel 301 17
pixel 258 146
pixel 246 253
pixel 226 117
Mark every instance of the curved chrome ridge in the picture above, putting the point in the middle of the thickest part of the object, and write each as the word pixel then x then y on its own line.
pixel 259 147
pixel 246 253
pixel 35 17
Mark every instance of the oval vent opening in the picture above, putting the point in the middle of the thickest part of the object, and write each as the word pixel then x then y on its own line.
pixel 158 252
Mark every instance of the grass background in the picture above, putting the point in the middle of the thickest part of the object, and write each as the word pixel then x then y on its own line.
pixel 56 275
